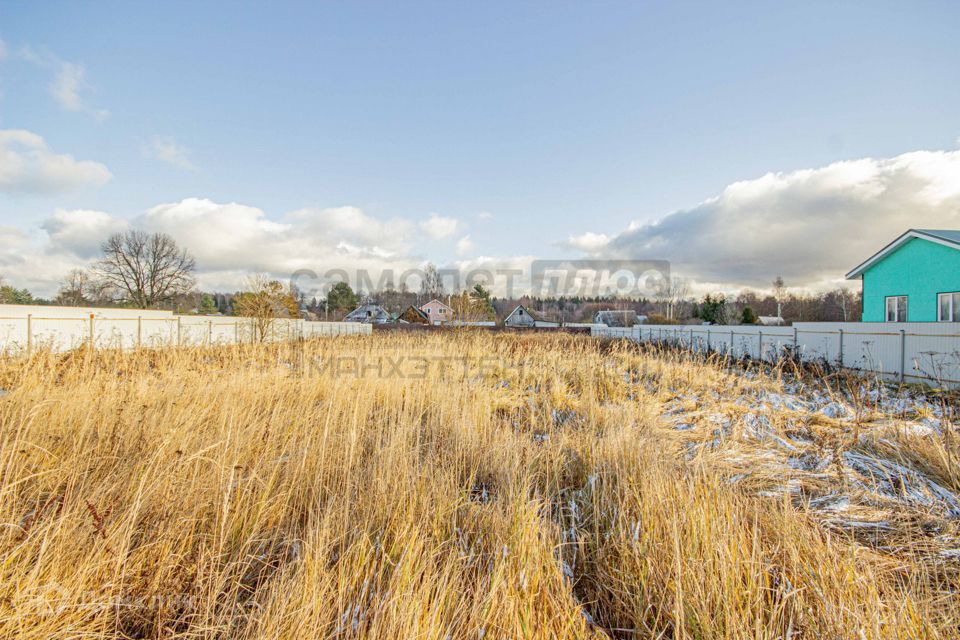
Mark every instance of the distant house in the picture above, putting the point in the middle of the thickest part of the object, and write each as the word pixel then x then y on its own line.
pixel 915 278
pixel 618 317
pixel 414 315
pixel 770 321
pixel 437 312
pixel 521 317
pixel 369 313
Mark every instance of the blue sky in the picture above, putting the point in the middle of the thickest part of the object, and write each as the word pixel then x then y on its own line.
pixel 559 119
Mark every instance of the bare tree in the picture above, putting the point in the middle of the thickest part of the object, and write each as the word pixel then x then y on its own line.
pixel 146 269
pixel 76 289
pixel 432 284
pixel 844 301
pixel 669 293
pixel 264 302
pixel 779 294
pixel 779 289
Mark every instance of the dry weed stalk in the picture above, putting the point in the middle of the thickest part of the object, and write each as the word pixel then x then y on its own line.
pixel 256 491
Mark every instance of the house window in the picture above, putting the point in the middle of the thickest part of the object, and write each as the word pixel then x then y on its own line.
pixel 948 307
pixel 897 309
pixel 441 311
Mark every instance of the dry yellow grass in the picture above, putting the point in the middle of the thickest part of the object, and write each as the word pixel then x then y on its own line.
pixel 523 487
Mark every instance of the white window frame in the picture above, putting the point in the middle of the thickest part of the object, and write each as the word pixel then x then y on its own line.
pixel 954 303
pixel 896 308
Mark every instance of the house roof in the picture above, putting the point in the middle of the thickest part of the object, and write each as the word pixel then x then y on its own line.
pixel 947 237
pixel 372 308
pixel 418 311
pixel 619 317
pixel 520 306
pixel 607 313
pixel 950 235
pixel 440 302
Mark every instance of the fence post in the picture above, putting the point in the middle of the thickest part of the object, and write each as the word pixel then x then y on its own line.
pixel 91 331
pixel 236 331
pixel 795 344
pixel 841 347
pixel 209 332
pixel 179 341
pixel 29 333
pixel 708 340
pixel 760 345
pixel 903 352
pixel 139 331
pixel 730 350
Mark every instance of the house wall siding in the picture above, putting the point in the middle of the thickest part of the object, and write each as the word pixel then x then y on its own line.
pixel 432 309
pixel 519 320
pixel 920 269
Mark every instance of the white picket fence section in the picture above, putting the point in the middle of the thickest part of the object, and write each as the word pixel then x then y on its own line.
pixel 24 328
pixel 905 351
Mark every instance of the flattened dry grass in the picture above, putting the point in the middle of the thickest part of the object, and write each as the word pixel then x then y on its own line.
pixel 524 486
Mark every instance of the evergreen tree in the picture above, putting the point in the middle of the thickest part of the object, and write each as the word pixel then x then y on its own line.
pixel 342 298
pixel 712 309
pixel 207 306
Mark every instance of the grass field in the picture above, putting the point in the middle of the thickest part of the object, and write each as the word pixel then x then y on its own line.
pixel 467 486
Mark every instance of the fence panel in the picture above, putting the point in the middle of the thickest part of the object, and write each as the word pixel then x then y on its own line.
pixel 24 328
pixel 908 351
pixel 58 334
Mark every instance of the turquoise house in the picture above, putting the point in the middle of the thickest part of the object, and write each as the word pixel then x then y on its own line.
pixel 915 278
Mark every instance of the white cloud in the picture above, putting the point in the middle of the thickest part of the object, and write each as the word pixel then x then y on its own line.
pixel 38 268
pixel 439 227
pixel 219 235
pixel 233 238
pixel 392 236
pixel 229 240
pixel 80 231
pixel 11 238
pixel 588 242
pixel 485 215
pixel 503 275
pixel 27 165
pixel 69 84
pixel 166 149
pixel 464 245
pixel 810 226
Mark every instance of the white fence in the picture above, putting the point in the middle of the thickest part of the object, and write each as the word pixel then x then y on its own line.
pixel 905 351
pixel 26 328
